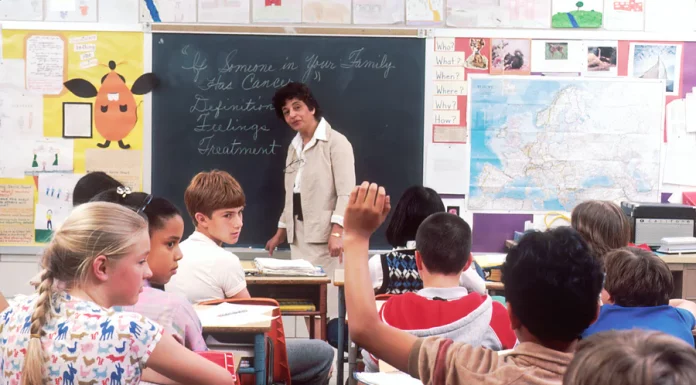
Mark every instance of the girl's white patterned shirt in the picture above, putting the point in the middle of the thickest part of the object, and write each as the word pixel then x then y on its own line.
pixel 83 343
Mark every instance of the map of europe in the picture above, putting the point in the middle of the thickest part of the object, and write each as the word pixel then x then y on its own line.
pixel 549 143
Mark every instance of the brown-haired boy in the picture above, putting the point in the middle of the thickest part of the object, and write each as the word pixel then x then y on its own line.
pixel 636 296
pixel 215 201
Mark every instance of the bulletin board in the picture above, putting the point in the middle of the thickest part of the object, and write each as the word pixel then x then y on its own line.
pixel 51 136
pixel 477 84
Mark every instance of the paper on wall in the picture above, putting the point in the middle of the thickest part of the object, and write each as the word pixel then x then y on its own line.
pixel 326 11
pixel 21 10
pixel 171 11
pixel 499 13
pixel 11 164
pixel 425 11
pixel 225 11
pixel 119 11
pixel 17 213
pixel 378 11
pixel 447 168
pixel 71 10
pixel 11 72
pixel 55 194
pixel 680 149
pixel 624 15
pixel 21 113
pixel 45 64
pixel 277 11
pixel 670 16
pixel 126 166
pixel 49 155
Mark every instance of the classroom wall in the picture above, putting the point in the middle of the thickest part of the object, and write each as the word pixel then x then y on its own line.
pixel 106 23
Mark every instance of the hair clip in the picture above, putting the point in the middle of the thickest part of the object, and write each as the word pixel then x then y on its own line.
pixel 123 191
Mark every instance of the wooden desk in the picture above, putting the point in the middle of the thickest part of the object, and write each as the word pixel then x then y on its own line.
pixel 258 330
pixel 683 269
pixel 306 288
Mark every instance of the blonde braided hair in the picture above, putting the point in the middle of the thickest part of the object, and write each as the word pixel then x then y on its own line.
pixel 91 230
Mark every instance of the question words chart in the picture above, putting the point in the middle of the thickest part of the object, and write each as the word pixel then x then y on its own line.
pixel 450 89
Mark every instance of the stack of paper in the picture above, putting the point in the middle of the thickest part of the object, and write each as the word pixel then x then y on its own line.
pixel 394 378
pixel 228 314
pixel 678 245
pixel 287 267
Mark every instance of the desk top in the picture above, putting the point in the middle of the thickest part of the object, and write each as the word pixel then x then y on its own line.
pixel 280 280
pixel 251 328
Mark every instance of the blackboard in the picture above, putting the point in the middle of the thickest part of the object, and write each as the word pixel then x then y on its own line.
pixel 213 110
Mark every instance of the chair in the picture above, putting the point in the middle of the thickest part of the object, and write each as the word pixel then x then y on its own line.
pixel 280 373
pixel 353 348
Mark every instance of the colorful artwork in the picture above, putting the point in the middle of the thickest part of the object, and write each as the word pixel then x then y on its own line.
pixel 115 111
pixel 511 56
pixel 577 13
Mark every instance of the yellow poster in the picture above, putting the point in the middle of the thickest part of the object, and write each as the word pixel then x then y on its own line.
pixel 103 110
pixel 84 89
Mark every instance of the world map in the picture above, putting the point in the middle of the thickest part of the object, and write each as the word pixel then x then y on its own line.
pixel 549 143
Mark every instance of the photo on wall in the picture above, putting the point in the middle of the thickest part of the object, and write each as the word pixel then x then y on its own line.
pixel 511 56
pixel 656 61
pixel 602 58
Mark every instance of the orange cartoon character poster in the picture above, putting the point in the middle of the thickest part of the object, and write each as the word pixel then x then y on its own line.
pixel 115 109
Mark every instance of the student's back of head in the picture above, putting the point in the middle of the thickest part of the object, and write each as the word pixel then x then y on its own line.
pixel 416 204
pixel 210 191
pixel 637 278
pixel 92 184
pixel 156 209
pixel 603 226
pixel 552 284
pixel 633 357
pixel 443 241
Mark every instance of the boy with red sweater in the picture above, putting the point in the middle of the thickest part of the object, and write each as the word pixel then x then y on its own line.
pixel 443 308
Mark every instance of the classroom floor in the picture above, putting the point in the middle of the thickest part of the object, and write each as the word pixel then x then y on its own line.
pixel 295 327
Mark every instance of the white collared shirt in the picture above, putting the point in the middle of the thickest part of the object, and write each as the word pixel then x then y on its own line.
pixel 207 271
pixel 319 134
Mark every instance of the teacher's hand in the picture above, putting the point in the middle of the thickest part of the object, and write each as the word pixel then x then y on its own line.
pixel 336 248
pixel 274 242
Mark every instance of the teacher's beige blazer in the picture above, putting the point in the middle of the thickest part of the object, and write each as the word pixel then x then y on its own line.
pixel 328 177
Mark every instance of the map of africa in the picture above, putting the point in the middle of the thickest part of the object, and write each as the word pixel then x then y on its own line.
pixel 548 143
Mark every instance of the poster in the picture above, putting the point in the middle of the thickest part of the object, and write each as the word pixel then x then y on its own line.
pixel 107 64
pixel 16 211
pixel 499 13
pixel 602 58
pixel 169 11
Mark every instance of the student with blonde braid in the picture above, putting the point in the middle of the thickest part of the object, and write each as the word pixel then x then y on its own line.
pixel 69 332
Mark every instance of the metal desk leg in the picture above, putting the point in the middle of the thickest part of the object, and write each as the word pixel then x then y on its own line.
pixel 260 358
pixel 352 361
pixel 341 342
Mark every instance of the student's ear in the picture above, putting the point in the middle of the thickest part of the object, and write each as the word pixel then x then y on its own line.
pixel 99 268
pixel 606 297
pixel 514 321
pixel 419 261
pixel 201 219
pixel 468 262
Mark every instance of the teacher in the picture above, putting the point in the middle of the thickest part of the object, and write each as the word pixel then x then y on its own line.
pixel 319 176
